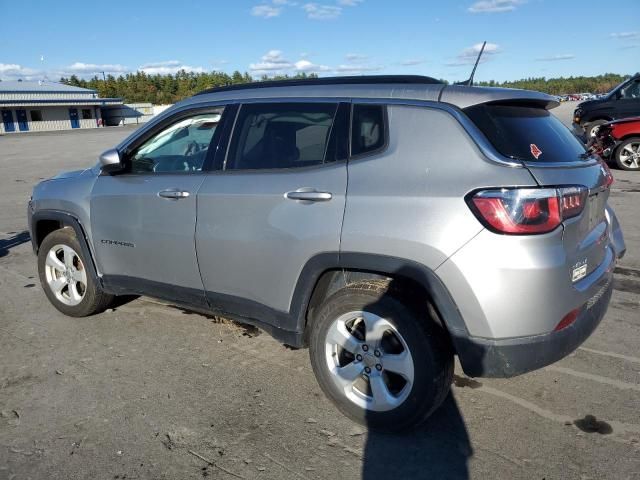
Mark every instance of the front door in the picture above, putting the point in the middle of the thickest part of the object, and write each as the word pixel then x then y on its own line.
pixel 73 116
pixel 143 219
pixel 23 123
pixel 278 201
pixel 7 120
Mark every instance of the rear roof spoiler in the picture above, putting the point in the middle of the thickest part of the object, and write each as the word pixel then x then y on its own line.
pixel 465 96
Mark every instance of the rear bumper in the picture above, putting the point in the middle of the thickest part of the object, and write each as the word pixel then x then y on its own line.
pixel 514 356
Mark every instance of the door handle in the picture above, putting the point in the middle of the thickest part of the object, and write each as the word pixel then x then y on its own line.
pixel 173 194
pixel 308 195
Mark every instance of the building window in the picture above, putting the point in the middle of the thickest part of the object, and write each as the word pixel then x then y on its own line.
pixel 86 113
pixel 36 115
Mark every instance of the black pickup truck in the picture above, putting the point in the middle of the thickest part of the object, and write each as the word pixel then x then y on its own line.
pixel 621 102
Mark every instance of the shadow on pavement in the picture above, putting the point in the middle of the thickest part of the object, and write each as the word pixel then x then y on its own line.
pixel 8 243
pixel 440 449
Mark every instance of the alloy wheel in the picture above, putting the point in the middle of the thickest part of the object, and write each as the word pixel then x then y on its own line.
pixel 630 155
pixel 66 275
pixel 369 361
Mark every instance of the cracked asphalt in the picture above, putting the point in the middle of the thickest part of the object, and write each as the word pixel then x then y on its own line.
pixel 149 391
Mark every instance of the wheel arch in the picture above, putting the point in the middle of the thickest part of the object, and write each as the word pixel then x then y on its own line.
pixel 597 117
pixel 628 136
pixel 43 222
pixel 321 277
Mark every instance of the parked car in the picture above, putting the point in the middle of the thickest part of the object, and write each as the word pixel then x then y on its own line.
pixel 386 222
pixel 619 143
pixel 622 101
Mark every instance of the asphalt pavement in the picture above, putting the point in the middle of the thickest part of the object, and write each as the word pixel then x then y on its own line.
pixel 147 390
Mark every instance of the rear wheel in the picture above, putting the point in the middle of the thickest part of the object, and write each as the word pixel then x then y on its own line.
pixel 383 363
pixel 68 284
pixel 627 154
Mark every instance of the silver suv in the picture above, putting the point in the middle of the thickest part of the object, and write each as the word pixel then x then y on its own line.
pixel 388 223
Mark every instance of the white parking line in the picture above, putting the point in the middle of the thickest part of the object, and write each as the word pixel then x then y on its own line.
pixel 611 354
pixel 596 378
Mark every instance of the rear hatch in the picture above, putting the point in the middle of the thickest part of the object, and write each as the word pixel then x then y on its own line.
pixel 556 158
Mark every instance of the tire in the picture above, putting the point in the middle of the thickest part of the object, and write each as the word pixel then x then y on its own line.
pixel 409 397
pixel 627 154
pixel 68 285
pixel 591 128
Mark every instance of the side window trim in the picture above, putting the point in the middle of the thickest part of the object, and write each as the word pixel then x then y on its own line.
pixel 385 125
pixel 136 142
pixel 231 132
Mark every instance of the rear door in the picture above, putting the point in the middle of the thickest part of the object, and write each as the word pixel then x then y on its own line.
pixel 277 200
pixel 556 159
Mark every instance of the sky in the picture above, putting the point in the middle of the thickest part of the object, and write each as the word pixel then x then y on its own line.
pixel 525 38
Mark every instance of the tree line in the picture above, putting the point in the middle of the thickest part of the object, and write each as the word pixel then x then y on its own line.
pixel 562 85
pixel 166 89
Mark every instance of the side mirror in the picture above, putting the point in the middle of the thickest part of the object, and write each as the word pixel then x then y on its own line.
pixel 110 161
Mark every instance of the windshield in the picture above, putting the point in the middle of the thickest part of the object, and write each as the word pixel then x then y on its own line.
pixel 617 87
pixel 526 133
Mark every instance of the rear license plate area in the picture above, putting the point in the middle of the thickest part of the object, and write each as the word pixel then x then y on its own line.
pixel 596 210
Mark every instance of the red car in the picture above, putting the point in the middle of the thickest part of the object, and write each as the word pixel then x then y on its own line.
pixel 619 142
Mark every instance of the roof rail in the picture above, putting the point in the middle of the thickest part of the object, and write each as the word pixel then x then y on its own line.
pixel 347 80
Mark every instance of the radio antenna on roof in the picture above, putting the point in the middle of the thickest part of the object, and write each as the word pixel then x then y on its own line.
pixel 469 81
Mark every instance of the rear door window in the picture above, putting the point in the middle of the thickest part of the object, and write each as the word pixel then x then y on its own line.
pixel 268 136
pixel 526 133
pixel 367 130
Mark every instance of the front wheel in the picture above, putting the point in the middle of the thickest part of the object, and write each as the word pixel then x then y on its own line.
pixel 68 284
pixel 591 128
pixel 384 363
pixel 627 154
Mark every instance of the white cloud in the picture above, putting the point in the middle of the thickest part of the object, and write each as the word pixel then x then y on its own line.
pixel 266 11
pixel 556 58
pixel 309 67
pixel 95 68
pixel 316 11
pixel 168 67
pixel 166 63
pixel 275 63
pixel 625 35
pixel 355 58
pixel 356 69
pixel 272 62
pixel 468 55
pixel 13 71
pixel 411 62
pixel 350 3
pixel 285 2
pixel 494 6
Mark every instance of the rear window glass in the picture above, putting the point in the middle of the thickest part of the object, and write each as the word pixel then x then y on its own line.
pixel 367 131
pixel 526 133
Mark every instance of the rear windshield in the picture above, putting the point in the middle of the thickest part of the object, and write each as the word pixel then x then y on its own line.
pixel 526 133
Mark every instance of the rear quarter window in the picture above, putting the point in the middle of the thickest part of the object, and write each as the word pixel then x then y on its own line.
pixel 526 133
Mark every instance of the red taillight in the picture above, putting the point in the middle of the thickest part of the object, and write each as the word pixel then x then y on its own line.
pixel 572 200
pixel 527 210
pixel 567 320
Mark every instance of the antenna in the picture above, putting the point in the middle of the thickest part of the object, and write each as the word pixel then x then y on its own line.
pixel 469 81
